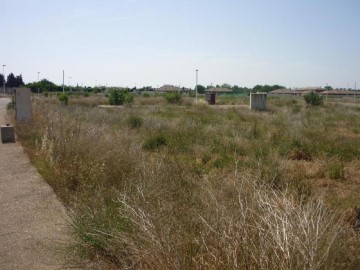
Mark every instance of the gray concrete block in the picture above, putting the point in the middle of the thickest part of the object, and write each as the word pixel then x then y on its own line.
pixel 258 101
pixel 23 107
pixel 7 134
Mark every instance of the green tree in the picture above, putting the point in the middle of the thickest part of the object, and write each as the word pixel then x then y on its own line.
pixel 328 87
pixel 1 80
pixel 226 85
pixel 200 89
pixel 43 85
pixel 266 88
pixel 14 81
pixel 11 81
pixel 19 81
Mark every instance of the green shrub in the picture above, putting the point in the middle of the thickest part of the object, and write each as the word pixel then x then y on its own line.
pixel 335 171
pixel 313 99
pixel 135 121
pixel 116 97
pixel 146 95
pixel 86 94
pixel 11 104
pixel 64 98
pixel 129 98
pixel 155 142
pixel 173 98
pixel 45 93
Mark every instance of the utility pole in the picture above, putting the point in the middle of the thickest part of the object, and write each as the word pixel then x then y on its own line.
pixel 327 91
pixel 4 77
pixel 63 82
pixel 355 92
pixel 196 86
pixel 38 84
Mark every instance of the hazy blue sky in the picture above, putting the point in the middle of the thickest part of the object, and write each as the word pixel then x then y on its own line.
pixel 152 42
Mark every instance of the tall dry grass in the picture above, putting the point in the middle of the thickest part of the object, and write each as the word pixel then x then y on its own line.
pixel 194 187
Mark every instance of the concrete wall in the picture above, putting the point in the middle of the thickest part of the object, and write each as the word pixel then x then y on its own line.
pixel 258 101
pixel 23 108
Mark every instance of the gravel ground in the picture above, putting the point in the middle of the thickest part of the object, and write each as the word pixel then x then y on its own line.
pixel 33 227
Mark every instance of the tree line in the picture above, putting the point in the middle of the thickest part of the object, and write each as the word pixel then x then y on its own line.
pixel 11 81
pixel 46 85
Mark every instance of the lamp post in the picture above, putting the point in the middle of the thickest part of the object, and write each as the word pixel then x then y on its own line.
pixel 38 84
pixel 196 86
pixel 4 77
pixel 327 91
pixel 355 92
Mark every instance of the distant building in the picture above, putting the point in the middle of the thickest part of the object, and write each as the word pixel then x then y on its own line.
pixel 171 89
pixel 339 92
pixel 219 90
pixel 296 91
pixel 319 90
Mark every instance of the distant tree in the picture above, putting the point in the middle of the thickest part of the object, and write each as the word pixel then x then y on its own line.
pixel 226 85
pixel 11 81
pixel 43 85
pixel 328 87
pixel 266 88
pixel 1 80
pixel 276 86
pixel 19 81
pixel 201 89
pixel 257 88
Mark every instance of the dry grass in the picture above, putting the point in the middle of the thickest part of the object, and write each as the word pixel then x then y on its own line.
pixel 199 187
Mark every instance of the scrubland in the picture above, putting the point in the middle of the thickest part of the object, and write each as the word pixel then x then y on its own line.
pixel 158 186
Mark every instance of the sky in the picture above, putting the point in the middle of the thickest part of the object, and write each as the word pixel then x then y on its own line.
pixel 295 43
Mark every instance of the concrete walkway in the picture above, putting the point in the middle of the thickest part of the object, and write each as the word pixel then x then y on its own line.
pixel 32 220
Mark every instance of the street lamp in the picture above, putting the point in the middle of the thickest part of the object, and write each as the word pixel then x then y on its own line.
pixel 196 86
pixel 38 84
pixel 4 77
pixel 327 91
pixel 355 93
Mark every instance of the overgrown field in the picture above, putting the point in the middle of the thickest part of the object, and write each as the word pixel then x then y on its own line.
pixel 198 187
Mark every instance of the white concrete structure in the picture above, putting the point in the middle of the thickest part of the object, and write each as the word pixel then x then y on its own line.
pixel 23 108
pixel 258 101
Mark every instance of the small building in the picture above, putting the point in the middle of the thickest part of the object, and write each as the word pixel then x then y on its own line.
pixel 218 90
pixel 296 91
pixel 171 89
pixel 339 93
pixel 285 92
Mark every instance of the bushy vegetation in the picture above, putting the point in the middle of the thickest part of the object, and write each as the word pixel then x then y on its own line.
pixel 173 98
pixel 64 98
pixel 116 97
pixel 119 97
pixel 199 187
pixel 313 99
pixel 135 121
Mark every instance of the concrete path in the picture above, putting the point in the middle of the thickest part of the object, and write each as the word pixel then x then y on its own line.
pixel 33 224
